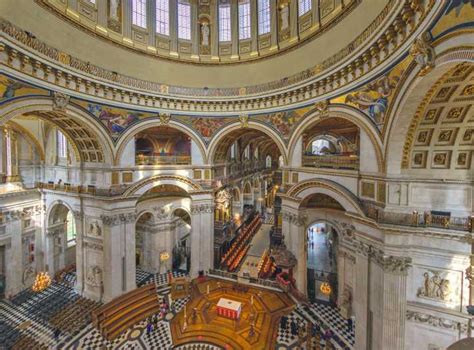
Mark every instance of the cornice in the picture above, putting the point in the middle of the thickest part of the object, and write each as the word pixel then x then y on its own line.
pixel 369 56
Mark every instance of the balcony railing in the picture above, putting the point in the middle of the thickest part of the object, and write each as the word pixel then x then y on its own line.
pixel 350 162
pixel 162 160
pixel 420 219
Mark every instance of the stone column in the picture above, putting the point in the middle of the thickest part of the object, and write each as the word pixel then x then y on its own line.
pixel 293 21
pixel 118 254
pixel 79 222
pixel 102 12
pixel 127 19
pixel 214 30
pixel 195 29
pixel 254 28
pixel 3 155
pixel 315 14
pixel 173 28
pixel 273 25
pixel 151 22
pixel 51 235
pixel 341 267
pixel 234 11
pixel 202 235
pixel 361 296
pixel 14 254
pixel 394 302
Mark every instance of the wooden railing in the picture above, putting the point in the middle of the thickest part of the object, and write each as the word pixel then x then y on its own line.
pixel 332 161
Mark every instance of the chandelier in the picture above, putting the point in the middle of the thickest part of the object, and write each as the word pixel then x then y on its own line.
pixel 42 281
pixel 325 288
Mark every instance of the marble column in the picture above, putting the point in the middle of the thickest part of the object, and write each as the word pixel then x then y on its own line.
pixel 254 27
pixel 102 13
pixel 151 22
pixel 202 235
pixel 118 254
pixel 214 31
pixel 273 25
pixel 3 154
pixel 14 254
pixel 394 302
pixel 127 20
pixel 234 11
pixel 195 30
pixel 79 222
pixel 173 28
pixel 293 21
pixel 341 261
pixel 361 297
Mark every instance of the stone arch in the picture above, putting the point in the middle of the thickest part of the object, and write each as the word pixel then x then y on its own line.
pixel 219 136
pixel 330 188
pixel 29 137
pixel 401 120
pixel 134 130
pixel 362 121
pixel 53 205
pixel 142 213
pixel 148 183
pixel 88 137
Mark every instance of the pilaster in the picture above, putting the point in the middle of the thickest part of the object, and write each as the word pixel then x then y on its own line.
pixel 273 25
pixel 234 11
pixel 127 20
pixel 151 22
pixel 173 28
pixel 202 235
pixel 254 27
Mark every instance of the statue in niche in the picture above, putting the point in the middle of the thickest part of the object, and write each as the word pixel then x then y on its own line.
pixel 113 10
pixel 285 17
pixel 434 287
pixel 94 276
pixel 94 229
pixel 205 34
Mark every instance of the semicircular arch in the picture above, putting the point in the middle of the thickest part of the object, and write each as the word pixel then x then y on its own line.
pixel 135 129
pixel 90 140
pixel 252 125
pixel 346 199
pixel 148 183
pixel 348 113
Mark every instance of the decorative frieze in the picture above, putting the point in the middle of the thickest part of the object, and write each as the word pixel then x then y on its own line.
pixel 93 245
pixel 202 208
pixel 389 263
pixel 435 321
pixel 60 101
pixel 118 219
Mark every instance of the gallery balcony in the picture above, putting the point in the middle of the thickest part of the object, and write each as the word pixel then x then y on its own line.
pixel 349 162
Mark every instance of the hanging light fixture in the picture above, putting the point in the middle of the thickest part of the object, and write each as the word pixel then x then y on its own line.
pixel 325 288
pixel 42 281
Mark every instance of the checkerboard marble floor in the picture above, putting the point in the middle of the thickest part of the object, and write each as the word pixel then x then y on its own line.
pixel 22 316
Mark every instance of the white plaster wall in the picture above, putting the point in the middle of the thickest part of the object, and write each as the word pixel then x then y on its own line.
pixel 368 157
pixel 128 155
pixel 196 155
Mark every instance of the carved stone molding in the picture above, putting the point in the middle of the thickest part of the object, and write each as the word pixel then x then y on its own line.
pixel 93 245
pixel 423 53
pixel 165 118
pixel 118 219
pixel 202 208
pixel 78 215
pixel 389 263
pixel 60 101
pixel 435 321
pixel 12 215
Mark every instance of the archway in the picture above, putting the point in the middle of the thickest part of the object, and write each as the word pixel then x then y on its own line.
pixel 61 243
pixel 322 245
pixel 163 231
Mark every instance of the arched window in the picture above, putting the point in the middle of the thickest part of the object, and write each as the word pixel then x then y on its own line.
pixel 263 16
pixel 244 20
pixel 304 6
pixel 163 17
pixel 139 13
pixel 280 161
pixel 224 23
pixel 268 161
pixel 232 151
pixel 61 144
pixel 184 20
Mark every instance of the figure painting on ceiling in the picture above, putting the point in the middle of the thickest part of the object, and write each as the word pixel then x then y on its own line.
pixel 116 120
pixel 10 88
pixel 207 126
pixel 374 97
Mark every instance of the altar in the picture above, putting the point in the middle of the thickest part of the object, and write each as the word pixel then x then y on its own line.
pixel 229 308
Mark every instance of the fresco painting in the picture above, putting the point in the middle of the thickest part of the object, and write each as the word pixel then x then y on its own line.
pixel 116 120
pixel 457 12
pixel 11 88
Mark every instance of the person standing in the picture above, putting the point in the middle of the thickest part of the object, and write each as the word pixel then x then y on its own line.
pixel 149 328
pixel 349 324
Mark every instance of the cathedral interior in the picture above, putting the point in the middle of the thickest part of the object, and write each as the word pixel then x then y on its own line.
pixel 237 174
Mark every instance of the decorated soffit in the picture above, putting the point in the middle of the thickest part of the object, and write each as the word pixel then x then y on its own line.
pixel 441 134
